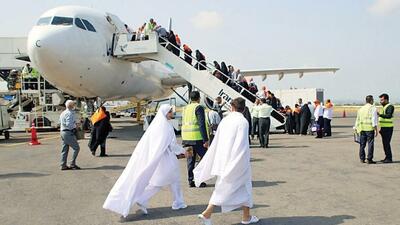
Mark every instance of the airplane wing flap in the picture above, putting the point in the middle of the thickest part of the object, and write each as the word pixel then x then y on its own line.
pixel 282 72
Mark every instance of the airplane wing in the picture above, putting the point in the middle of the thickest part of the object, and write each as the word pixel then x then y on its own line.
pixel 282 72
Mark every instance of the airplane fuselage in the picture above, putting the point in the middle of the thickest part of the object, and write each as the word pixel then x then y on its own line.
pixel 74 55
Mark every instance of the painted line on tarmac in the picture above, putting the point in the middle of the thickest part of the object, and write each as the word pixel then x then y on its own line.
pixel 27 143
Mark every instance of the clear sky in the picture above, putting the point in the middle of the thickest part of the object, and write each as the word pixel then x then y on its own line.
pixel 361 37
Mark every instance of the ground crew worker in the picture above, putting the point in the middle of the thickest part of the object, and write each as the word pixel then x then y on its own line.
pixel 194 133
pixel 150 26
pixel 264 120
pixel 254 114
pixel 26 75
pixel 366 127
pixel 34 79
pixel 386 124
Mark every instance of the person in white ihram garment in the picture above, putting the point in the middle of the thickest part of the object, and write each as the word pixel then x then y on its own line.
pixel 228 158
pixel 153 165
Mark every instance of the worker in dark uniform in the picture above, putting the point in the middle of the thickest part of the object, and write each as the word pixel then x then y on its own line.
pixel 386 124
pixel 194 133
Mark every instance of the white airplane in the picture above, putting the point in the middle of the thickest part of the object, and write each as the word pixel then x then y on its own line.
pixel 70 46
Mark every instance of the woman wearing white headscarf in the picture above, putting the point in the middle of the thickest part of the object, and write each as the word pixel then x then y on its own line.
pixel 153 164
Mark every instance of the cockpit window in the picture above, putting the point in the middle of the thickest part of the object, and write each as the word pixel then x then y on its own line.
pixel 65 21
pixel 88 25
pixel 43 21
pixel 78 23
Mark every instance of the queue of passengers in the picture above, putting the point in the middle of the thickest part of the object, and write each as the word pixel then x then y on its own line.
pixel 308 118
pixel 226 74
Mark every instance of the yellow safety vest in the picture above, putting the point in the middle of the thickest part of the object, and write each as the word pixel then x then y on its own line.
pixel 364 118
pixel 384 122
pixel 34 73
pixel 25 73
pixel 190 125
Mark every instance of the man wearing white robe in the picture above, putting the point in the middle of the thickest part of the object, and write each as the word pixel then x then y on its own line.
pixel 153 164
pixel 228 158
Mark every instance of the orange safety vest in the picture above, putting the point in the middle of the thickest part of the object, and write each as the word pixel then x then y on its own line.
pixel 98 115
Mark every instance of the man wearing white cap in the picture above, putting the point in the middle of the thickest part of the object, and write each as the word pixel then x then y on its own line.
pixel 68 130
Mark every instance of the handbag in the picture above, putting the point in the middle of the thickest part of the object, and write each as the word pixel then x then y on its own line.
pixel 315 127
pixel 356 137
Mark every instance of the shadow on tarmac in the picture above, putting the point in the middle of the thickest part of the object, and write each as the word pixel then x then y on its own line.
pixel 306 220
pixel 256 160
pixel 22 175
pixel 119 155
pixel 293 146
pixel 167 212
pixel 258 183
pixel 263 183
pixel 111 167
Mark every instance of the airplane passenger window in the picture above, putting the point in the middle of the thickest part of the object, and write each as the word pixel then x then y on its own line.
pixel 78 23
pixel 65 21
pixel 89 25
pixel 43 21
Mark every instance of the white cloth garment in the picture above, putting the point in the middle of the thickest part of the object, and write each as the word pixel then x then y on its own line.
pixel 328 113
pixel 152 165
pixel 228 158
pixel 318 112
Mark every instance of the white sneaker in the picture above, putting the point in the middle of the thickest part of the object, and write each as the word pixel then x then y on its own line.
pixel 182 206
pixel 204 220
pixel 143 209
pixel 253 219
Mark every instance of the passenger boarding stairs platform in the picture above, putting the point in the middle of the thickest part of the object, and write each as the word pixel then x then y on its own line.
pixel 204 80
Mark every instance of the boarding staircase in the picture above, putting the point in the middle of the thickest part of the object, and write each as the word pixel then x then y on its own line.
pixel 155 49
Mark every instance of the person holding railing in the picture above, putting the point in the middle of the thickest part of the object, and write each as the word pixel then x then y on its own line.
pixel 253 87
pixel 162 34
pixel 224 70
pixel 188 54
pixel 201 61
pixel 172 46
pixel 178 43
pixel 217 70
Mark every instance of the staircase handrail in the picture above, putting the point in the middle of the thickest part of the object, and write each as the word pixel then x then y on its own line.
pixel 211 68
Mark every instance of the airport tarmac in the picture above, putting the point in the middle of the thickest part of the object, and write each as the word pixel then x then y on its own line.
pixel 297 181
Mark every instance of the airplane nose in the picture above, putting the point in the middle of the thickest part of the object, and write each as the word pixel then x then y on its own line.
pixel 43 46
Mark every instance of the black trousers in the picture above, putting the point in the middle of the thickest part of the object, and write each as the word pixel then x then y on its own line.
pixel 327 127
pixel 386 133
pixel 198 149
pixel 304 123
pixel 102 147
pixel 264 125
pixel 320 122
pixel 367 137
pixel 255 127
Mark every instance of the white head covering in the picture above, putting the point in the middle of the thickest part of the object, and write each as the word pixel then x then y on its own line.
pixel 142 164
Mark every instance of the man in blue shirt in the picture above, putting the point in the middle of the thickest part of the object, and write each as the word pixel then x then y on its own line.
pixel 68 130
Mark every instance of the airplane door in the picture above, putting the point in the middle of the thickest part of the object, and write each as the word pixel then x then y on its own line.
pixel 116 22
